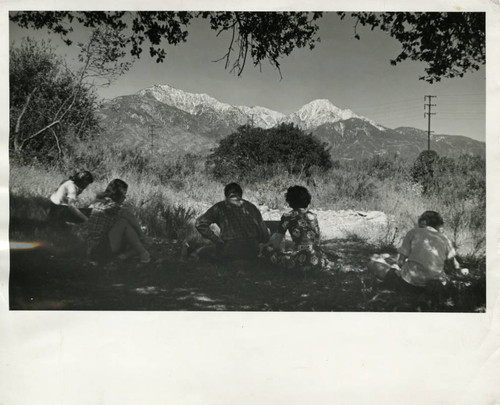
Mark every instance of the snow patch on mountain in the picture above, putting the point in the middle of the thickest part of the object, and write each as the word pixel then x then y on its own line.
pixel 322 111
pixel 189 102
pixel 309 116
pixel 261 116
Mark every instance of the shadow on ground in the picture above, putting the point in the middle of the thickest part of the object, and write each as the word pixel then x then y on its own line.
pixel 57 276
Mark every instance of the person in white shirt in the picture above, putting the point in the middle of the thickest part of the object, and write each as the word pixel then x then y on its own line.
pixel 63 201
pixel 423 254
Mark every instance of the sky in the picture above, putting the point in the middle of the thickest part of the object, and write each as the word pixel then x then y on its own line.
pixel 353 74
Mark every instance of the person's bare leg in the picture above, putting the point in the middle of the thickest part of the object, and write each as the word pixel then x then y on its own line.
pixel 134 240
pixel 116 234
pixel 122 229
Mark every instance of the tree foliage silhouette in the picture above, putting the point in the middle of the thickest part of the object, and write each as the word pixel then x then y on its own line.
pixel 450 43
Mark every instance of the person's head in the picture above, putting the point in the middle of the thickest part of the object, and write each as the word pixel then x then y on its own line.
pixel 116 190
pixel 233 190
pixel 432 219
pixel 82 179
pixel 298 197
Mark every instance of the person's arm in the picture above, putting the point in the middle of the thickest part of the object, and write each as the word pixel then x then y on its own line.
pixel 315 226
pixel 401 259
pixel 263 235
pixel 203 225
pixel 457 267
pixel 451 256
pixel 405 248
pixel 71 195
pixel 276 240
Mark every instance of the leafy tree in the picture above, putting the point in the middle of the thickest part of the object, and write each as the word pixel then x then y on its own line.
pixel 260 36
pixel 285 145
pixel 459 179
pixel 44 105
pixel 450 43
pixel 424 167
pixel 49 102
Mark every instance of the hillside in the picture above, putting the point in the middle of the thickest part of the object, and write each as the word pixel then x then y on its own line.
pixel 172 121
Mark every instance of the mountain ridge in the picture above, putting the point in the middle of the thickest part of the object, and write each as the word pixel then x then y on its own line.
pixel 183 122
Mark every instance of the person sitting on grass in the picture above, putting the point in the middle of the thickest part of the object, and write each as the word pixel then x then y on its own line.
pixel 112 228
pixel 63 200
pixel 241 226
pixel 303 227
pixel 422 256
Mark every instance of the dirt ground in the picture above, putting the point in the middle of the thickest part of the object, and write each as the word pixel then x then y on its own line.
pixel 55 277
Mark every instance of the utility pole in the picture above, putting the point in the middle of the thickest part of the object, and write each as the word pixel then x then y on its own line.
pixel 151 132
pixel 428 114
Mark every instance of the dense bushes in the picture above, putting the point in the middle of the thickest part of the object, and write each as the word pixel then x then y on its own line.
pixel 162 186
pixel 249 149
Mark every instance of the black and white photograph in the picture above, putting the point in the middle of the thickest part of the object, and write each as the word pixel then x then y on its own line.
pixel 268 202
pixel 247 161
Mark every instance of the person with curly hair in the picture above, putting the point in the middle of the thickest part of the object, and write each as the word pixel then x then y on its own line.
pixel 303 227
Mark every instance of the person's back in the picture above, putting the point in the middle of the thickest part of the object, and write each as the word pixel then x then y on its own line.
pixel 421 257
pixel 67 192
pixel 426 250
pixel 303 227
pixel 237 220
pixel 63 201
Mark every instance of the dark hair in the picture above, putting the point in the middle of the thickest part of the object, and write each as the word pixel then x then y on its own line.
pixel 432 219
pixel 231 189
pixel 82 179
pixel 115 190
pixel 298 197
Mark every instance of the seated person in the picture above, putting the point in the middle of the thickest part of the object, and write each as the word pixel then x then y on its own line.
pixel 112 228
pixel 241 227
pixel 303 227
pixel 63 200
pixel 423 254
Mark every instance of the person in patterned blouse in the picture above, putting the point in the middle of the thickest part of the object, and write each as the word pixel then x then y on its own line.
pixel 303 228
pixel 241 226
pixel 112 228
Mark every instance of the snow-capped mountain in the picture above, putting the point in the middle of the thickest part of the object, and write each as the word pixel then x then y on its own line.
pixel 311 115
pixel 262 117
pixel 198 104
pixel 184 122
pixel 189 102
pixel 322 111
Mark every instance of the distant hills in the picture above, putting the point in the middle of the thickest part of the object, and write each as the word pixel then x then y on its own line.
pixel 182 122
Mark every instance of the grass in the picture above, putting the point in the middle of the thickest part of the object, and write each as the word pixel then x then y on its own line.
pixel 152 192
pixel 57 276
pixel 167 195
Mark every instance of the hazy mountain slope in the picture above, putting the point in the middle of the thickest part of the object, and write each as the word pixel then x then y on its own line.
pixel 183 122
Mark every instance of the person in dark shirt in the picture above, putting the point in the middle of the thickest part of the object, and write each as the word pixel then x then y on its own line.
pixel 241 226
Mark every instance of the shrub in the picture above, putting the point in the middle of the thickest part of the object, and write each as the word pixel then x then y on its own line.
pixel 239 154
pixel 423 168
pixel 177 220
